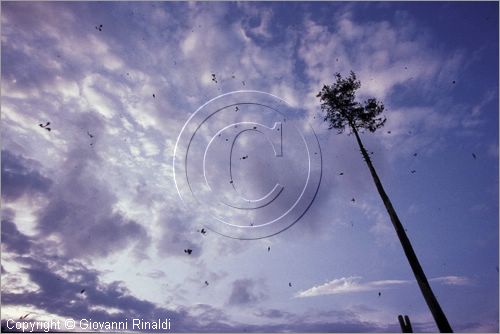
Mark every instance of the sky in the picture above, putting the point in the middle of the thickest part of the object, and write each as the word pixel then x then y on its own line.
pixel 97 217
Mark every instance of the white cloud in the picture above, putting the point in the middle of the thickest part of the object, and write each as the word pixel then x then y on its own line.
pixel 452 280
pixel 348 285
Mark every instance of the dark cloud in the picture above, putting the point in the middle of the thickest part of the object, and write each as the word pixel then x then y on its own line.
pixel 245 292
pixel 61 279
pixel 19 177
pixel 274 314
pixel 81 210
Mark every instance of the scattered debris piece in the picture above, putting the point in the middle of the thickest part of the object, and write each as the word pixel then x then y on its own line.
pixel 188 251
pixel 206 283
pixel 83 290
pixel 154 96
pixel 236 109
pixel 474 156
pixel 268 247
pixel 243 82
pixel 203 231
pixel 413 171
pixel 99 27
pixel 45 126
pixel 90 135
pixel 214 79
pixel 389 132
pixel 415 154
pixel 341 173
pixel 290 284
pixel 245 157
pixel 353 200
pixel 379 294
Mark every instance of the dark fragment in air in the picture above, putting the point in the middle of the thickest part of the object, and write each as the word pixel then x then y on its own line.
pixel 24 316
pixel 83 290
pixel 474 156
pixel 45 126
pixel 341 173
pixel 290 284
pixel 203 231
pixel 269 248
pixel 353 200
pixel 389 132
pixel 415 154
pixel 379 294
pixel 206 283
pixel 154 96
pixel 90 135
pixel 413 171
pixel 214 79
pixel 245 157
pixel 188 251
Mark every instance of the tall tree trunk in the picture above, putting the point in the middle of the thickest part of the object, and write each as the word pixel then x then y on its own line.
pixel 430 299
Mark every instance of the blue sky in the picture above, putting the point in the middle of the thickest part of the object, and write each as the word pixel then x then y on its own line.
pixel 92 203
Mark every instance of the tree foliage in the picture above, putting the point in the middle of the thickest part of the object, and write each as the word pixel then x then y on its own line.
pixel 342 109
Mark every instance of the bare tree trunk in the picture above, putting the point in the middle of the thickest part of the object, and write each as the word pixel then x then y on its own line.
pixel 430 299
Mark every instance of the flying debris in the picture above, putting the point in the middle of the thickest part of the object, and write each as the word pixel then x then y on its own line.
pixel 206 283
pixel 188 251
pixel 453 81
pixel 90 135
pixel 413 171
pixel 214 79
pixel 245 157
pixel 353 200
pixel 203 231
pixel 243 82
pixel 154 96
pixel 24 316
pixel 236 109
pixel 83 290
pixel 99 27
pixel 406 67
pixel 389 132
pixel 341 173
pixel 268 248
pixel 45 126
pixel 336 59
pixel 379 294
pixel 290 284
pixel 474 156
pixel 415 154
pixel 232 76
